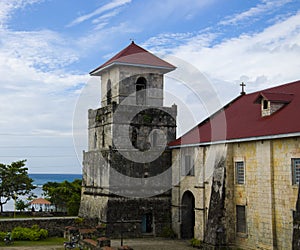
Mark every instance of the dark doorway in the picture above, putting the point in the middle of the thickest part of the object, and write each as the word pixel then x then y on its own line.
pixel 187 215
pixel 147 223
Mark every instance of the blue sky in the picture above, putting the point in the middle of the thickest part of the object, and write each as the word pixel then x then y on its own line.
pixel 47 48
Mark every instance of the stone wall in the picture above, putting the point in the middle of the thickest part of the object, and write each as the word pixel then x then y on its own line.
pixel 55 226
pixel 123 80
pixel 215 233
pixel 268 194
pixel 125 214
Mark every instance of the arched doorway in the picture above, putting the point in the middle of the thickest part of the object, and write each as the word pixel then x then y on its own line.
pixel 187 215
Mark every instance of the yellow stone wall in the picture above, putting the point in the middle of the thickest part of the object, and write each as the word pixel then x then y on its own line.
pixel 268 193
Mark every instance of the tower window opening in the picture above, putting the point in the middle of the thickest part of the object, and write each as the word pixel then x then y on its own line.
pixel 95 140
pixel 140 89
pixel 103 138
pixel 108 92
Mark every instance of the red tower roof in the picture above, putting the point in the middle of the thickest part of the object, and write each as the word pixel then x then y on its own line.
pixel 136 56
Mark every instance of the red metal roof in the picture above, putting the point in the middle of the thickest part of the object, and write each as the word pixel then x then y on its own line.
pixel 275 97
pixel 135 55
pixel 242 119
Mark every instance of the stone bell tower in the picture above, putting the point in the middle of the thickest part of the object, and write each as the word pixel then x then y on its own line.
pixel 127 168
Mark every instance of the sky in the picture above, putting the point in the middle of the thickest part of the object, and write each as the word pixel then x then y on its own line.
pixel 48 47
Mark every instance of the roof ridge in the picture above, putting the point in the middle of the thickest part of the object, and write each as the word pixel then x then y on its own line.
pixel 280 86
pixel 134 54
pixel 122 52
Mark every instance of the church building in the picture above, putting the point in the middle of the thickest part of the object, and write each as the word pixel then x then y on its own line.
pixel 240 173
pixel 232 180
pixel 126 177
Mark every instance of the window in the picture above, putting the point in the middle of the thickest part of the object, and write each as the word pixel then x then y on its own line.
pixel 265 104
pixel 108 92
pixel 240 172
pixel 103 138
pixel 141 91
pixel 95 141
pixel 296 170
pixel 188 166
pixel 241 226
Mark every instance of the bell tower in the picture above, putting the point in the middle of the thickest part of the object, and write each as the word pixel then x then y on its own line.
pixel 127 168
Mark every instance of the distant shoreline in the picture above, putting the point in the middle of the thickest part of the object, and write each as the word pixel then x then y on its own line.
pixel 39 179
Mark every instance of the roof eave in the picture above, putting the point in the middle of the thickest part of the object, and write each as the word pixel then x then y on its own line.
pixel 96 72
pixel 247 139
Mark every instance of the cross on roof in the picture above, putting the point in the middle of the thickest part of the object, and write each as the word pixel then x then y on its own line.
pixel 243 88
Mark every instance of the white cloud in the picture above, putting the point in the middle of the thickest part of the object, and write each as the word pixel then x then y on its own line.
pixel 45 50
pixel 271 55
pixel 112 5
pixel 106 16
pixel 38 96
pixel 35 88
pixel 264 7
pixel 7 7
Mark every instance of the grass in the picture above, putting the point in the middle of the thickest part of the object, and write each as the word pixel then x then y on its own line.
pixel 46 242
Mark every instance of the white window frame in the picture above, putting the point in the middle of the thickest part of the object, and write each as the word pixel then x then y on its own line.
pixel 240 172
pixel 187 165
pixel 295 162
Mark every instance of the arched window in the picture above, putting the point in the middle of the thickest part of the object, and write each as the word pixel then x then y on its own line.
pixel 140 89
pixel 108 92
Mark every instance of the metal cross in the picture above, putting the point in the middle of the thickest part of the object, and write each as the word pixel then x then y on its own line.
pixel 243 88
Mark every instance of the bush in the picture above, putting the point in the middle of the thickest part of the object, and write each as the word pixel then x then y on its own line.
pixel 79 220
pixel 168 232
pixel 33 234
pixel 2 235
pixel 195 242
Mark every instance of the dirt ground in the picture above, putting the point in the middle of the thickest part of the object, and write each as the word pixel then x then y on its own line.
pixel 136 244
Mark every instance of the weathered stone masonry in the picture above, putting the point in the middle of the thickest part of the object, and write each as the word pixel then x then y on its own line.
pixel 127 140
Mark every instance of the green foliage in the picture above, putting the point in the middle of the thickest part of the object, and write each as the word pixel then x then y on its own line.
pixel 2 235
pixel 33 234
pixel 79 220
pixel 65 195
pixel 14 181
pixel 195 242
pixel 168 232
pixel 21 205
pixel 147 118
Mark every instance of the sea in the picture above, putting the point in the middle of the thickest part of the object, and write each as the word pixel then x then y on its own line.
pixel 39 180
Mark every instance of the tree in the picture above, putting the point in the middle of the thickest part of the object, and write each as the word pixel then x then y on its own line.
pixel 21 205
pixel 14 181
pixel 65 195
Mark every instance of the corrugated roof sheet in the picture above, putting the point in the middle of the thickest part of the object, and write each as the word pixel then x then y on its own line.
pixel 242 118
